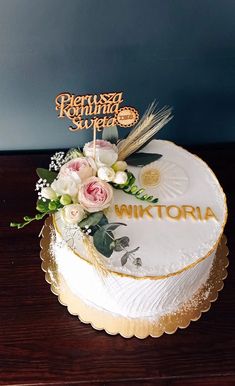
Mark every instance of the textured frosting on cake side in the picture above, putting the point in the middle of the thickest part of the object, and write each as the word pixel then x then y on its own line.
pixel 127 296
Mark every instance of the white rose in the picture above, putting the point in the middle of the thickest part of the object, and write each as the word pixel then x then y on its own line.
pixel 106 174
pixel 67 185
pixel 106 153
pixel 48 193
pixel 73 213
pixel 120 178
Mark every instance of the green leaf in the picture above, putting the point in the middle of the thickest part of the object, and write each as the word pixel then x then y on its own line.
pixel 103 221
pixel 110 134
pixel 46 174
pixel 134 189
pixel 124 258
pixel 121 243
pixel 142 159
pixel 91 220
pixel 112 226
pixel 140 191
pixel 155 200
pixel 131 179
pixel 103 241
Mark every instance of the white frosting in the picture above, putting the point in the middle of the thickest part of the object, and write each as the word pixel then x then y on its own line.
pixel 127 296
pixel 168 247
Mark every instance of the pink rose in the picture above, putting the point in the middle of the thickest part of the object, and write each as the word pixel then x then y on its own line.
pixel 95 195
pixel 79 168
pixel 106 153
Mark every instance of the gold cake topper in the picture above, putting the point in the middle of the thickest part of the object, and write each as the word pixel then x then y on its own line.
pixel 95 111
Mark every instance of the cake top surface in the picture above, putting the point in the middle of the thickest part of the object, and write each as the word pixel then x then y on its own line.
pixel 175 233
pixel 138 210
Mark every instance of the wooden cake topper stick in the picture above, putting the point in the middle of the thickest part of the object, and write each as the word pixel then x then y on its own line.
pixel 94 141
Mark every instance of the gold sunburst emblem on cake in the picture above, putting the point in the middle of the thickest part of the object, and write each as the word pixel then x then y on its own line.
pixel 163 179
pixel 150 177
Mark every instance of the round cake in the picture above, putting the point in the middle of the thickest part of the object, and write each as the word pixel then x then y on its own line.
pixel 171 243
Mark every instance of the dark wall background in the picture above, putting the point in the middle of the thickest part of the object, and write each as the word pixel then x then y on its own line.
pixel 180 52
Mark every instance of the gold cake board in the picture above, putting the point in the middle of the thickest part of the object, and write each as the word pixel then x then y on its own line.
pixel 129 327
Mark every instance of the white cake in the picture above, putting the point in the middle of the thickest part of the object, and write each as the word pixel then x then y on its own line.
pixel 176 238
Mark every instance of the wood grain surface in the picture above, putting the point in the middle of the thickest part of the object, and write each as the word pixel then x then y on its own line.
pixel 42 344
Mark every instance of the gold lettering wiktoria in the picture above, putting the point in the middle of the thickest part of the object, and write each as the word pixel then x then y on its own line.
pixel 171 212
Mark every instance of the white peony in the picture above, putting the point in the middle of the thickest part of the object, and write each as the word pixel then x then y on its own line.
pixel 106 153
pixel 48 193
pixel 106 174
pixel 67 185
pixel 73 213
pixel 120 178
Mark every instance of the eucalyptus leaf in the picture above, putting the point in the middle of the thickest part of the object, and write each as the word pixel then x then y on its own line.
pixel 134 250
pixel 112 226
pixel 124 258
pixel 110 134
pixel 103 241
pixel 142 159
pixel 121 243
pixel 94 228
pixel 91 220
pixel 137 262
pixel 103 221
pixel 46 174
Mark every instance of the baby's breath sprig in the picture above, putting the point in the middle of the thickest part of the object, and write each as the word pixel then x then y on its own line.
pixel 130 188
pixel 57 160
pixel 60 158
pixel 41 183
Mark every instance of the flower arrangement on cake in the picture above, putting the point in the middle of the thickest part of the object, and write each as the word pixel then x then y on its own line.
pixel 80 183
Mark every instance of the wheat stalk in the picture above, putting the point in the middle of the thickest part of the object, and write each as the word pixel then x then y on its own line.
pixel 95 257
pixel 151 122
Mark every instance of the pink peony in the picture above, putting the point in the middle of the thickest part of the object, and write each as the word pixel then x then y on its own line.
pixel 95 195
pixel 79 168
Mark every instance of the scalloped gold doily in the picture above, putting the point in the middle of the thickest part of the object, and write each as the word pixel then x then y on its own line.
pixel 126 327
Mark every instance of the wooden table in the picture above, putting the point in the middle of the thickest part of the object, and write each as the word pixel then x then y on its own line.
pixel 42 344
